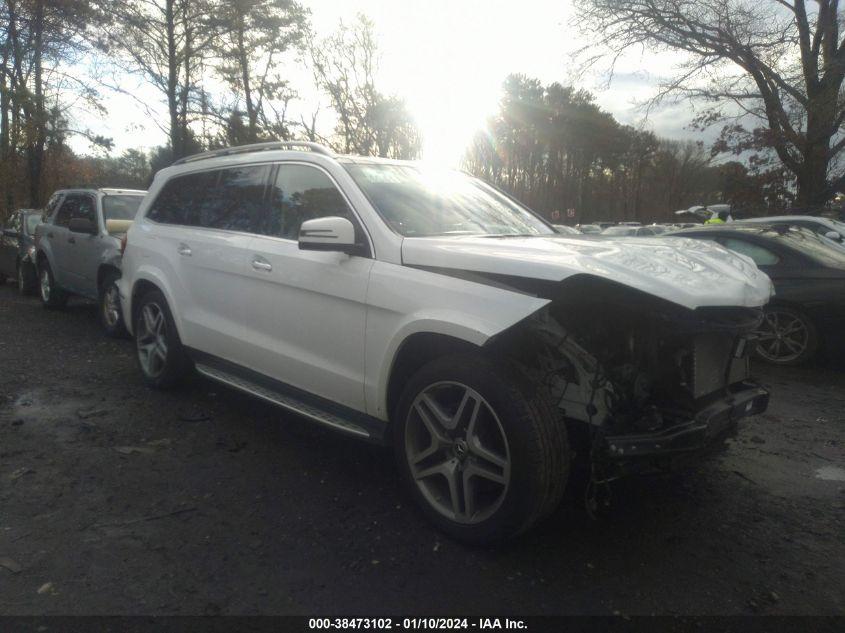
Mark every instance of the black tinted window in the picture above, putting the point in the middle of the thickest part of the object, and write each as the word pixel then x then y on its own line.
pixel 181 197
pixel 229 199
pixel 68 210
pixel 51 206
pixel 236 201
pixel 302 193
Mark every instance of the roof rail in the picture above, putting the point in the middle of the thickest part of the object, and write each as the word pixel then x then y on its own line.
pixel 255 147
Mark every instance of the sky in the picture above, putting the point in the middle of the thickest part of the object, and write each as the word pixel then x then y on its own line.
pixel 447 59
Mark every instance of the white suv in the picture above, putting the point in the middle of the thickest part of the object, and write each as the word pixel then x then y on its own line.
pixel 423 308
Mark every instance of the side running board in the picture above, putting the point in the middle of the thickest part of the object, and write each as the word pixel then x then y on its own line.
pixel 296 404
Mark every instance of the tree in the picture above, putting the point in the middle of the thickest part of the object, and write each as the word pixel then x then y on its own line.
pixel 168 42
pixel 774 61
pixel 257 34
pixel 554 149
pixel 37 39
pixel 369 123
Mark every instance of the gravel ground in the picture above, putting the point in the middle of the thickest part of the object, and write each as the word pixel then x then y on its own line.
pixel 118 500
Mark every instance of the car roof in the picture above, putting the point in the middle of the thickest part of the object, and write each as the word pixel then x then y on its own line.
pixel 785 218
pixel 758 228
pixel 109 191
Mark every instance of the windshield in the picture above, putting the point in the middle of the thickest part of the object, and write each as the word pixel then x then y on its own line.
pixel 32 220
pixel 817 247
pixel 116 207
pixel 619 230
pixel 420 202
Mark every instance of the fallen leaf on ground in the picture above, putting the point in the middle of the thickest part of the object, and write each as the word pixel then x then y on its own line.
pixel 20 472
pixel 128 450
pixel 10 564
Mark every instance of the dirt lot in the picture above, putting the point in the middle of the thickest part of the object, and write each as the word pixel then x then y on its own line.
pixel 118 500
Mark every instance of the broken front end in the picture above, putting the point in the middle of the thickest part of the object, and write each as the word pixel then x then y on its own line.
pixel 641 380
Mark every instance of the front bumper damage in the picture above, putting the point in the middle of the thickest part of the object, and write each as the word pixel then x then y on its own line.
pixel 711 423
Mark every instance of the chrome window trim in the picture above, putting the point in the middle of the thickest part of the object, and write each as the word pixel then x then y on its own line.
pixel 273 172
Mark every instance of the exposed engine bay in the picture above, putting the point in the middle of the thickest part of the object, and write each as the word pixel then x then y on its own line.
pixel 631 365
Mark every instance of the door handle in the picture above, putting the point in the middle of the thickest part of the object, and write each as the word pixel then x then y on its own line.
pixel 261 264
pixel 184 250
pixel 72 240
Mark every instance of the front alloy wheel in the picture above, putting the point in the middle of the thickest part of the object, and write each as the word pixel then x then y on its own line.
pixel 479 447
pixel 52 296
pixel 458 452
pixel 46 286
pixel 785 337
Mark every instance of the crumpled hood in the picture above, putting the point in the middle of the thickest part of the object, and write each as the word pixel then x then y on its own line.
pixel 691 273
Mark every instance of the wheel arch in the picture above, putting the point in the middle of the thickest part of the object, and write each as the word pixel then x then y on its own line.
pixel 415 351
pixel 103 269
pixel 145 281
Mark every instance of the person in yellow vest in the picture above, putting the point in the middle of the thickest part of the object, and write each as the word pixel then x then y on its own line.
pixel 720 218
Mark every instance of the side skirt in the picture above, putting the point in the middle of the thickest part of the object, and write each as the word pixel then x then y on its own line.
pixel 315 408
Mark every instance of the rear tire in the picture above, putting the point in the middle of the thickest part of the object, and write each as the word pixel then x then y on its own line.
pixel 111 313
pixel 479 449
pixel 27 279
pixel 52 295
pixel 159 350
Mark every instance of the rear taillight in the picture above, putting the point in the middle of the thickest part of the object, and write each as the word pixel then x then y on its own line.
pixel 122 245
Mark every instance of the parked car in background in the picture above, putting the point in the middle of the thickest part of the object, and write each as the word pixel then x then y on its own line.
pixel 78 248
pixel 808 271
pixel 487 350
pixel 566 230
pixel 17 249
pixel 589 229
pixel 831 229
pixel 630 231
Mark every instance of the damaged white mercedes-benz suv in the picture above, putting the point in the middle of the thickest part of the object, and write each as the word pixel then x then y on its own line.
pixel 422 308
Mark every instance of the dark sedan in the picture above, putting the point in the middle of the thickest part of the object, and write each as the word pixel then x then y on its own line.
pixel 808 271
pixel 17 247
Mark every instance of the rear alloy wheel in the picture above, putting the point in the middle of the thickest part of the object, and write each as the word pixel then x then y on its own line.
pixel 52 296
pixel 159 350
pixel 111 315
pixel 479 448
pixel 786 336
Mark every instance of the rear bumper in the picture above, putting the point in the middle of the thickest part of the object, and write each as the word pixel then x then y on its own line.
pixel 708 424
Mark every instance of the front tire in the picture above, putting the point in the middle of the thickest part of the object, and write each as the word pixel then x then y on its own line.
pixel 111 313
pixel 159 350
pixel 479 448
pixel 52 295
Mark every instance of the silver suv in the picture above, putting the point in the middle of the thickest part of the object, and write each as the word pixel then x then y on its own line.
pixel 79 248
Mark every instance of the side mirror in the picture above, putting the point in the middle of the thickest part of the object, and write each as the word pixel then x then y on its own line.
pixel 833 235
pixel 82 225
pixel 329 234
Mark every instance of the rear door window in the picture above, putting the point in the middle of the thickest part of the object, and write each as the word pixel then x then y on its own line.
pixel 236 202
